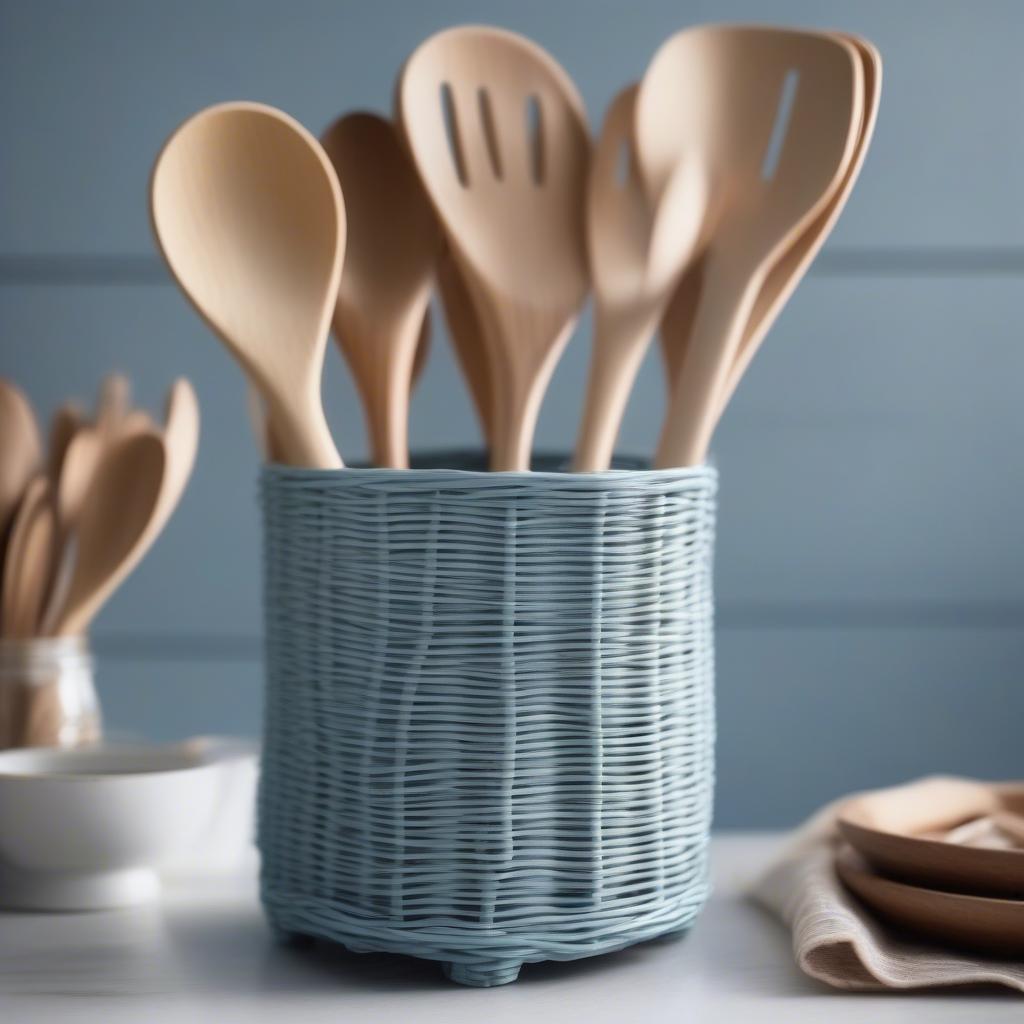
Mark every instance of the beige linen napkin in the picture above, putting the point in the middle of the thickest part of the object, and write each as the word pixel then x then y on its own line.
pixel 836 939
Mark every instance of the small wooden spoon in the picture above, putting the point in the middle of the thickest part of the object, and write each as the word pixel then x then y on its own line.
pixel 29 560
pixel 498 133
pixel 113 403
pixel 775 116
pixel 391 251
pixel 20 453
pixel 137 485
pixel 247 211
pixel 636 255
pixel 65 424
pixel 112 525
pixel 78 468
pixel 790 268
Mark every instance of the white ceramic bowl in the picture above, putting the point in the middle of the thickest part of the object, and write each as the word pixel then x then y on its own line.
pixel 87 829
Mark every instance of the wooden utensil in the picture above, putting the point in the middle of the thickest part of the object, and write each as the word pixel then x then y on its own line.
pixel 990 926
pixel 137 485
pixel 247 211
pixel 467 341
pixel 63 427
pixel 896 831
pixel 498 134
pixel 791 266
pixel 113 403
pixel 637 252
pixel 392 246
pixel 113 524
pixel 72 486
pixel 20 453
pixel 29 560
pixel 774 115
pixel 269 449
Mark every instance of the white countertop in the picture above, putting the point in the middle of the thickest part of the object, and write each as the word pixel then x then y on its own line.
pixel 204 955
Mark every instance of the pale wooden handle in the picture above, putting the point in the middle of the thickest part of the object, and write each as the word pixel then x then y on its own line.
pixel 618 351
pixel 300 430
pixel 725 307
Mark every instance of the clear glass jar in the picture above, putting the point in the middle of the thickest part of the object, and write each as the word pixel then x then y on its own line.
pixel 47 696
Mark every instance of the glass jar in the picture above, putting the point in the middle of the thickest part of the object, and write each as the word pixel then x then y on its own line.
pixel 47 696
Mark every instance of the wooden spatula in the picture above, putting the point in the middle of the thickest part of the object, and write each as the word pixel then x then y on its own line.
pixel 774 115
pixel 498 133
pixel 791 266
pixel 20 454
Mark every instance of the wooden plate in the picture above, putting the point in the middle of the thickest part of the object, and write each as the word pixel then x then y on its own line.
pixel 990 926
pixel 894 829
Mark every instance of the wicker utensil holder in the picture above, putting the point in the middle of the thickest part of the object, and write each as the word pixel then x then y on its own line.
pixel 489 713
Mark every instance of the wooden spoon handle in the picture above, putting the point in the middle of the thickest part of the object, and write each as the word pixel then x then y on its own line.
pixel 727 297
pixel 619 347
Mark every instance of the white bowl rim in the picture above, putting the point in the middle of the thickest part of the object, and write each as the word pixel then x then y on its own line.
pixel 146 760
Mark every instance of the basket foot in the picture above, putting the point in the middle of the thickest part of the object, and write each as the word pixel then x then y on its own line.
pixel 483 975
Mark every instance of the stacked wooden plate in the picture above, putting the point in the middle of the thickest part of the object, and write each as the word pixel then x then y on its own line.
pixel 942 859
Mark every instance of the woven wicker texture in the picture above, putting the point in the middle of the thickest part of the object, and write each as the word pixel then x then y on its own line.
pixel 489 717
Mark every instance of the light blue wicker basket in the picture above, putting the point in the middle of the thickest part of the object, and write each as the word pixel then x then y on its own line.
pixel 489 715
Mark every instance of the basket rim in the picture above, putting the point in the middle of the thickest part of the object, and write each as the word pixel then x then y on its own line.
pixel 639 473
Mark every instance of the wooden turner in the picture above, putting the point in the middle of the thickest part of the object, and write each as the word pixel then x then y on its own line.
pixel 498 133
pixel 774 115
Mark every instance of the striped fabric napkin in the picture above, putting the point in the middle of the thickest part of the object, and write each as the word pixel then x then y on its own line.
pixel 839 942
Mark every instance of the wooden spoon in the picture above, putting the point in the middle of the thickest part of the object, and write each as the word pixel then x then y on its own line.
pixel 248 214
pixel 790 268
pixel 65 424
pixel 113 403
pixel 498 133
pixel 20 453
pixel 391 251
pixel 137 485
pixel 29 560
pixel 466 337
pixel 775 116
pixel 78 468
pixel 636 255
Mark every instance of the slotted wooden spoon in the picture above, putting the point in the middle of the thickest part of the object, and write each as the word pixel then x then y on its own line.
pixel 791 266
pixel 392 246
pixel 775 115
pixel 506 183
pixel 248 214
pixel 637 253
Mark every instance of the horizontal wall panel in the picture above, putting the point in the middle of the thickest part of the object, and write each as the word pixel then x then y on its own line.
pixel 871 459
pixel 803 715
pixel 88 92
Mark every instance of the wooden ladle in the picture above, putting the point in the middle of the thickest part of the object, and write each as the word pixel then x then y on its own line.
pixel 392 246
pixel 774 115
pixel 247 211
pixel 498 133
pixel 791 266
pixel 636 256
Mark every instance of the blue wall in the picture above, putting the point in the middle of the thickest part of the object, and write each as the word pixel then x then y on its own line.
pixel 870 573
